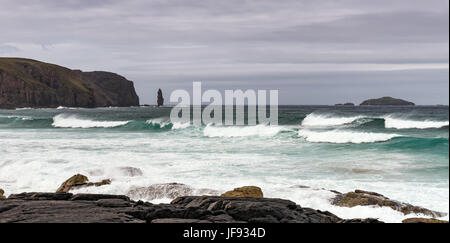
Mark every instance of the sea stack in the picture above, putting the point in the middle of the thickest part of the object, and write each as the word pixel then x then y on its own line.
pixel 160 98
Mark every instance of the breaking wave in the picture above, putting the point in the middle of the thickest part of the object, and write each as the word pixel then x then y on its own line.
pixel 411 124
pixel 316 120
pixel 73 121
pixel 329 120
pixel 336 136
pixel 165 123
pixel 241 131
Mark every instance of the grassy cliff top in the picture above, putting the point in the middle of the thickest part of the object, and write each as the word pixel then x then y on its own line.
pixel 25 69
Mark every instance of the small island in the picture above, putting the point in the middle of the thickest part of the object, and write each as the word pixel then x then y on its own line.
pixel 387 101
pixel 345 104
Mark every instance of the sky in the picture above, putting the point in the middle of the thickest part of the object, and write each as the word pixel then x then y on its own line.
pixel 313 52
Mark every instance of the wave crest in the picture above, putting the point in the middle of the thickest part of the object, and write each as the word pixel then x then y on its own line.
pixel 411 124
pixel 316 120
pixel 241 131
pixel 164 123
pixel 336 136
pixel 72 121
pixel 329 120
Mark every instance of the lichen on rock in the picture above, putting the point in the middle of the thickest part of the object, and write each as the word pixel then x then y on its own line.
pixel 245 191
pixel 78 181
pixel 1 194
pixel 365 198
pixel 424 221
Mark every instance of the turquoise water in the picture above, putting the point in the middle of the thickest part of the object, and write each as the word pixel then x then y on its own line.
pixel 401 152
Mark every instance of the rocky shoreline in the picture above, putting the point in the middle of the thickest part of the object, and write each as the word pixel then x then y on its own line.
pixel 63 207
pixel 241 205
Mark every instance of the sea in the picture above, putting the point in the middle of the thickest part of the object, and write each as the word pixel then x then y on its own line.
pixel 400 152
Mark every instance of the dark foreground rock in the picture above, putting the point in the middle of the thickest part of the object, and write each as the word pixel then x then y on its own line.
pixel 97 208
pixel 365 198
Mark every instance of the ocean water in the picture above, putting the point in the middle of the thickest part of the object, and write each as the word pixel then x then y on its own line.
pixel 401 152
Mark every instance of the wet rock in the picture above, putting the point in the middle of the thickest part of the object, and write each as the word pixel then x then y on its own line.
pixel 360 221
pixel 424 221
pixel 246 191
pixel 365 198
pixel 100 183
pixel 167 190
pixel 300 186
pixel 247 209
pixel 76 180
pixel 179 221
pixel 1 194
pixel 95 197
pixel 113 203
pixel 60 211
pixel 222 218
pixel 79 181
pixel 99 208
pixel 130 171
pixel 41 196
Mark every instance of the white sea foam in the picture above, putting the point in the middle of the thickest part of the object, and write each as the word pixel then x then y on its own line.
pixel 42 160
pixel 241 131
pixel 162 122
pixel 179 125
pixel 337 136
pixel 57 155
pixel 18 117
pixel 398 123
pixel 73 121
pixel 319 120
pixel 24 108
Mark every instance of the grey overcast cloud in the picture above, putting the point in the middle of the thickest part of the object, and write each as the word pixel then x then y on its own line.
pixel 314 52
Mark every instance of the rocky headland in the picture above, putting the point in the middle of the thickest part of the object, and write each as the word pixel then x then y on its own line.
pixel 31 83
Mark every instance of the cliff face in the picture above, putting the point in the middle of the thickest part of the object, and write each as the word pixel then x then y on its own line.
pixel 30 83
pixel 387 101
